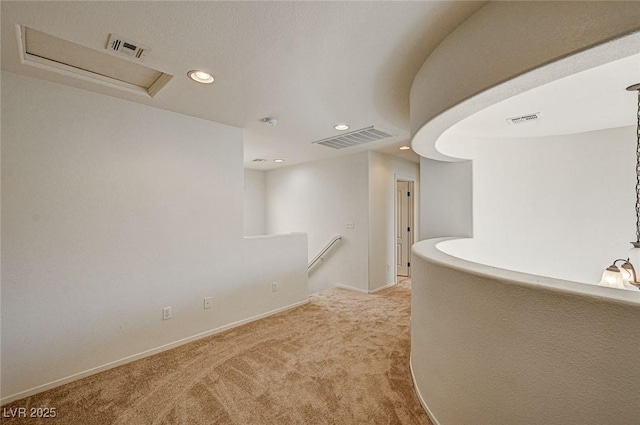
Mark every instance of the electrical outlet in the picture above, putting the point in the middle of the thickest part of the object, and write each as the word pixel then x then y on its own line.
pixel 166 313
pixel 388 267
pixel 274 287
pixel 207 302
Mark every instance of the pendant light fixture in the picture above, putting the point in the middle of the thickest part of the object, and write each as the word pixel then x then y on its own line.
pixel 619 277
pixel 625 275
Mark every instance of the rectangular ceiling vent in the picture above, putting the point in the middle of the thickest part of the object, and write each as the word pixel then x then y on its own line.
pixel 524 119
pixel 354 138
pixel 65 57
pixel 126 47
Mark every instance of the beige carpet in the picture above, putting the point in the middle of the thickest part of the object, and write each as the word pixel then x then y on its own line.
pixel 342 359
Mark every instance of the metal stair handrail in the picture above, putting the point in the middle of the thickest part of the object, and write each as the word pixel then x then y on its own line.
pixel 324 251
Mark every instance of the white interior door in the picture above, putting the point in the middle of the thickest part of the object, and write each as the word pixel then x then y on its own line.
pixel 404 214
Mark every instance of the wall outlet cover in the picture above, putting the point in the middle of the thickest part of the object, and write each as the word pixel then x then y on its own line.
pixel 166 313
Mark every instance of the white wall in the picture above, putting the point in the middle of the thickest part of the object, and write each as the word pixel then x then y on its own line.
pixel 446 203
pixel 111 211
pixel 495 347
pixel 254 202
pixel 320 198
pixel 566 202
pixel 383 171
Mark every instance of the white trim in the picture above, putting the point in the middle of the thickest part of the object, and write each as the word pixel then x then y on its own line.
pixel 147 353
pixel 88 76
pixel 388 285
pixel 414 216
pixel 351 288
pixel 364 291
pixel 422 402
pixel 84 75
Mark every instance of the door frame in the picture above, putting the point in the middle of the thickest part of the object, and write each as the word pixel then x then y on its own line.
pixel 401 177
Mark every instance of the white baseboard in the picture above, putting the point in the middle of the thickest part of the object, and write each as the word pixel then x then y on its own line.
pixel 363 291
pixel 388 285
pixel 147 353
pixel 422 402
pixel 351 288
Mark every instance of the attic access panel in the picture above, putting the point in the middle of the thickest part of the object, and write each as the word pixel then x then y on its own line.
pixel 59 55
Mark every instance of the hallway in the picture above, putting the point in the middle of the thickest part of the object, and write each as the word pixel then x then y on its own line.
pixel 341 359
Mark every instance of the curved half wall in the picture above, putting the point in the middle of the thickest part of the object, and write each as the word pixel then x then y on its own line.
pixel 498 347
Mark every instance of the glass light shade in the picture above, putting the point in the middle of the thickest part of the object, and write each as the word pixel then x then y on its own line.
pixel 612 278
pixel 634 256
pixel 627 274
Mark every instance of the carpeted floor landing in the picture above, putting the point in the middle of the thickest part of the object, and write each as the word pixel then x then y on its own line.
pixel 341 359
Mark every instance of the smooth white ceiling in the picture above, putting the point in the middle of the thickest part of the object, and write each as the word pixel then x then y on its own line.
pixel 594 99
pixel 311 64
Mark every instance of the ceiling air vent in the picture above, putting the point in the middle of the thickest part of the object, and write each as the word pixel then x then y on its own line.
pixel 354 138
pixel 126 47
pixel 65 57
pixel 524 119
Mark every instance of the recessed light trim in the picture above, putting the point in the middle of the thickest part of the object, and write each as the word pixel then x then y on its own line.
pixel 279 161
pixel 341 127
pixel 404 148
pixel 200 76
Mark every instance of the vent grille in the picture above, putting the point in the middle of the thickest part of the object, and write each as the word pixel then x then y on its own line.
pixel 524 118
pixel 126 47
pixel 354 138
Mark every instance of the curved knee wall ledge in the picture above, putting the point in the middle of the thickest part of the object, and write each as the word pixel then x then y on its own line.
pixel 492 346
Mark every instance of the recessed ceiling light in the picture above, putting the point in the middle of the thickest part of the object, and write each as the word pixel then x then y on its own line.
pixel 278 160
pixel 404 148
pixel 200 76
pixel 341 127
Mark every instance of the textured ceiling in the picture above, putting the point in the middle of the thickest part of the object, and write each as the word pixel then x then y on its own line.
pixel 311 64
